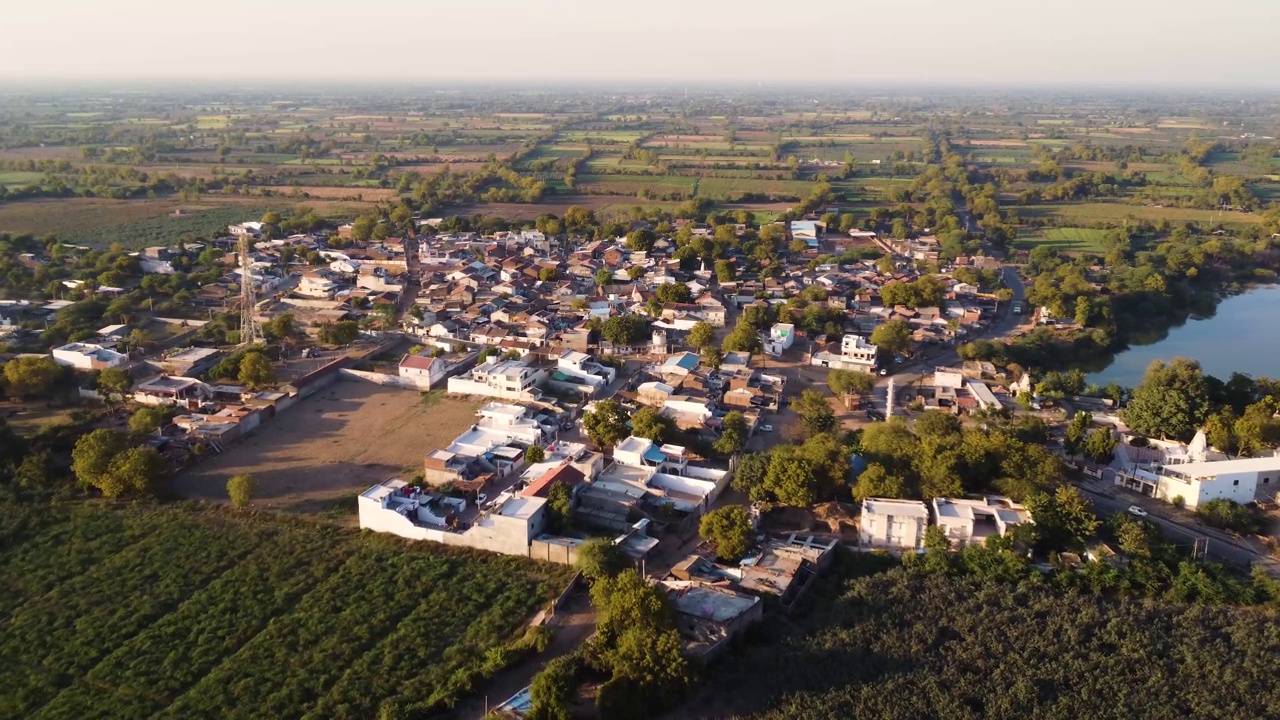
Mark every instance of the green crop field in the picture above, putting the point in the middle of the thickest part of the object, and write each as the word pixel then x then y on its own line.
pixel 181 612
pixel 1074 239
pixel 1117 213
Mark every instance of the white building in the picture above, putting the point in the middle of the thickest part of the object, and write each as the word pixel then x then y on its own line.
pixel 507 379
pixel 970 520
pixel 318 284
pixel 893 524
pixel 856 353
pixel 87 356
pixel 579 372
pixel 663 473
pixel 185 392
pixel 423 371
pixel 781 336
pixel 1241 480
pixel 509 527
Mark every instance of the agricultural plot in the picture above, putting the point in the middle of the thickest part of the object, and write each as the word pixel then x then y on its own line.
pixel 729 188
pixel 1117 213
pixel 180 612
pixel 1070 239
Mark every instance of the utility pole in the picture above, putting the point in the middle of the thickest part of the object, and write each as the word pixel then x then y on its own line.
pixel 249 330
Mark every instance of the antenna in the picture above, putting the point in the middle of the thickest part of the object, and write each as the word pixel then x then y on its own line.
pixel 249 330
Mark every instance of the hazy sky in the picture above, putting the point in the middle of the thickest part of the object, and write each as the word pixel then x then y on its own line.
pixel 1026 42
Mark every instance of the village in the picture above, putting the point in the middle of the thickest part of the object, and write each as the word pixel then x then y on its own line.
pixel 528 393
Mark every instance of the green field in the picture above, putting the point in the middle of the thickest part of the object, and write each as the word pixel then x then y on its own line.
pixel 900 647
pixel 1073 239
pixel 1117 213
pixel 180 612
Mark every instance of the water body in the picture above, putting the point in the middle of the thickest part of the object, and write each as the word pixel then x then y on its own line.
pixel 1243 335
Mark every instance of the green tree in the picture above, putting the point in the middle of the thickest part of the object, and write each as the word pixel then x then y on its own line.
pixel 341 333
pixel 28 376
pixel 733 434
pixel 606 425
pixel 641 239
pixel 240 489
pixel 147 420
pixel 600 558
pixel 937 424
pixel 893 337
pixel 115 381
pixel 256 370
pixel 534 454
pixel 743 338
pixel 1100 446
pixel 1172 401
pixel 559 507
pixel 728 529
pixel 724 271
pixel 132 472
pixel 876 481
pixel 749 477
pixel 652 424
pixel 635 272
pixel 850 383
pixel 702 335
pixel 280 327
pixel 547 274
pixel 1077 429
pixel 1063 519
pixel 814 412
pixel 553 689
pixel 604 276
pixel 92 455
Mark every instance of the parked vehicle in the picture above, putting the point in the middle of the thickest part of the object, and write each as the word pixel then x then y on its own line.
pixel 1136 511
pixel 766 428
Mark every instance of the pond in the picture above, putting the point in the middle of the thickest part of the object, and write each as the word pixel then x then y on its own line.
pixel 1242 335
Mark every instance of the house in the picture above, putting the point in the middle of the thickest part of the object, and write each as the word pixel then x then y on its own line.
pixel 662 475
pixel 190 362
pixel 318 284
pixel 786 568
pixel 563 474
pixel 969 520
pixel 781 335
pixel 184 392
pixel 1241 480
pixel 579 372
pixel 88 356
pixel 250 229
pixel 708 616
pixel 507 379
pixel 888 524
pixel 395 507
pixel 422 370
pixel 856 353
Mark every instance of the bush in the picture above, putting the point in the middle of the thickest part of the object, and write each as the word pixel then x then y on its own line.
pixel 240 489
pixel 1229 515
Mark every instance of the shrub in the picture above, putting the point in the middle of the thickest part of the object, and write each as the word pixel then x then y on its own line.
pixel 240 489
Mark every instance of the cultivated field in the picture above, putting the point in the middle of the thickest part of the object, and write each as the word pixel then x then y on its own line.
pixel 182 611
pixel 1071 239
pixel 344 438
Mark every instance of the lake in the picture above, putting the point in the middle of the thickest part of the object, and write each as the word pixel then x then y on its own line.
pixel 1243 335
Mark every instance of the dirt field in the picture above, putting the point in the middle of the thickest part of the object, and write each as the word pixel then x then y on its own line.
pixel 341 440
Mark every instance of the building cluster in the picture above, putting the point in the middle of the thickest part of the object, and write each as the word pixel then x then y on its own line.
pixel 1194 473
pixel 899 525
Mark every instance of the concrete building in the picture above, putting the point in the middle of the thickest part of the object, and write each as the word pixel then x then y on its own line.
pixel 888 524
pixel 856 353
pixel 579 372
pixel 87 356
pixel 423 370
pixel 970 520
pixel 661 475
pixel 1242 480
pixel 510 527
pixel 708 617
pixel 184 392
pixel 781 336
pixel 507 379
pixel 190 362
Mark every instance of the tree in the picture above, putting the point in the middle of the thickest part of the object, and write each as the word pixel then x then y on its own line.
pixel 1100 446
pixel 114 381
pixel 850 383
pixel 280 327
pixel 641 239
pixel 702 335
pixel 733 434
pixel 814 411
pixel 624 330
pixel 728 529
pixel 1063 519
pixel 240 489
pixel 559 507
pixel 132 472
pixel 893 337
pixel 725 271
pixel 673 292
pixel 791 478
pixel 604 276
pixel 547 274
pixel 29 376
pixel 342 333
pixel 256 370
pixel 743 338
pixel 606 424
pixel 635 272
pixel 600 558
pixel 1077 429
pixel 876 481
pixel 652 424
pixel 534 454
pixel 553 688
pixel 937 424
pixel 92 455
pixel 1172 400
pixel 750 476
pixel 147 420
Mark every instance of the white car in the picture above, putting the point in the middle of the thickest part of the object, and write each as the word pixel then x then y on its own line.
pixel 481 498
pixel 1136 511
pixel 766 428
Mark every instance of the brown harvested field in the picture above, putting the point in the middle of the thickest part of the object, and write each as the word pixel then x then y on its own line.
pixel 339 441
pixel 330 192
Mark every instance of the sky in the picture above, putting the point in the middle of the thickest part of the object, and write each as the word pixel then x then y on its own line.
pixel 1172 43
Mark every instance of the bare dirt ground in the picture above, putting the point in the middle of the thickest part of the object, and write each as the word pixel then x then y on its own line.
pixel 343 439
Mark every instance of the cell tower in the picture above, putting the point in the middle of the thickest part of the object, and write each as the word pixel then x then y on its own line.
pixel 249 331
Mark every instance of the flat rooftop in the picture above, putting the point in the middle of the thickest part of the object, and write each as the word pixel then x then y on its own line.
pixel 521 507
pixel 887 506
pixel 711 603
pixel 1211 468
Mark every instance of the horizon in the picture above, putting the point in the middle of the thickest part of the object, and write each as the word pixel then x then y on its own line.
pixel 984 44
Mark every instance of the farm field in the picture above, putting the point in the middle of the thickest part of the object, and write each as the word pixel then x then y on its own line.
pixel 1117 213
pixel 344 438
pixel 183 611
pixel 898 646
pixel 1070 239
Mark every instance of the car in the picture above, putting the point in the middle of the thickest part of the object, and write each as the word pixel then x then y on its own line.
pixel 1136 511
pixel 766 428
pixel 481 498
pixel 884 371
